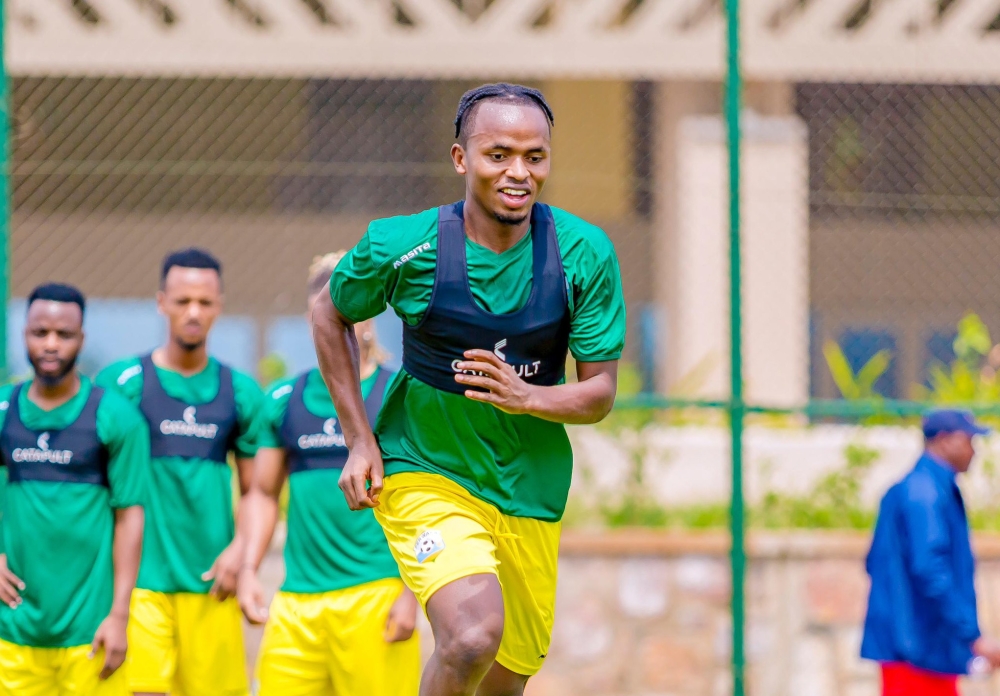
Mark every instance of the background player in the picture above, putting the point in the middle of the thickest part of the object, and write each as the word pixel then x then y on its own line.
pixel 491 291
pixel 186 635
pixel 343 621
pixel 77 459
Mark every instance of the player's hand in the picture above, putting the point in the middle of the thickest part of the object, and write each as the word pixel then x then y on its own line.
pixel 112 637
pixel 364 466
pixel 402 618
pixel 11 586
pixel 988 648
pixel 250 595
pixel 225 572
pixel 506 390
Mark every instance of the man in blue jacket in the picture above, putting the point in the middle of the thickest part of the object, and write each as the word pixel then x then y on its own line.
pixel 922 624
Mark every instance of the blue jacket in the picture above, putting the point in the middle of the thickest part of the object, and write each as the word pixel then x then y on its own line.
pixel 922 606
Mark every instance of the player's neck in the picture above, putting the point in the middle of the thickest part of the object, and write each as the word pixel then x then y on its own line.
pixel 484 229
pixel 50 395
pixel 177 358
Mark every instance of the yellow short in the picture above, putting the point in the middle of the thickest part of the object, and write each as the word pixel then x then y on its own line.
pixel 28 671
pixel 333 643
pixel 186 644
pixel 439 533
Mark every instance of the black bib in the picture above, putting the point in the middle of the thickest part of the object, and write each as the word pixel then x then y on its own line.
pixel 192 431
pixel 534 340
pixel 74 454
pixel 318 443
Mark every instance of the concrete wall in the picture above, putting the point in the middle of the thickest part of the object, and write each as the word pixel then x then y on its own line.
pixel 647 614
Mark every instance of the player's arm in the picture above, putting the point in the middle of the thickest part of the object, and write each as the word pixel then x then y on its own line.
pixel 11 586
pixel 355 280
pixel 260 515
pixel 126 438
pixel 586 401
pixel 127 550
pixel 225 570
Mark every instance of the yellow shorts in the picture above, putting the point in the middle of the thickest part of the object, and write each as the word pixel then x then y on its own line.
pixel 28 671
pixel 186 644
pixel 439 533
pixel 333 644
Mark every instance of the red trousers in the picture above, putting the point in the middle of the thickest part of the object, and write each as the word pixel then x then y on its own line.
pixel 901 679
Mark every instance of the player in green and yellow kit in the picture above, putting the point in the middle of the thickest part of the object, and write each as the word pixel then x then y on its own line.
pixel 493 292
pixel 343 621
pixel 76 463
pixel 186 634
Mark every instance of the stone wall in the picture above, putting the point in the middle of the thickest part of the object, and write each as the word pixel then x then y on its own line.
pixel 642 613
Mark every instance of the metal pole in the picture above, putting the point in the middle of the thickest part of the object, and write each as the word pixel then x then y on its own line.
pixel 736 405
pixel 5 205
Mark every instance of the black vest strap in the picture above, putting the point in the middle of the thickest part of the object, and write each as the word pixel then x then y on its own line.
pixel 74 454
pixel 192 431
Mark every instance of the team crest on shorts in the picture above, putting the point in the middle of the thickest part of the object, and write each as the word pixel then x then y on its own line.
pixel 429 544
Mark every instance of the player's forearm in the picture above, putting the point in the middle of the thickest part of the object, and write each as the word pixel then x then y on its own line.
pixel 259 520
pixel 127 552
pixel 339 363
pixel 579 403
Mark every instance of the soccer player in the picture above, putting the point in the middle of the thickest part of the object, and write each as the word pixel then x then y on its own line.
pixel 186 636
pixel 492 291
pixel 77 466
pixel 343 621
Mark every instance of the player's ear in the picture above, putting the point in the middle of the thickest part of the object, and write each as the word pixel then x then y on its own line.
pixel 161 299
pixel 458 159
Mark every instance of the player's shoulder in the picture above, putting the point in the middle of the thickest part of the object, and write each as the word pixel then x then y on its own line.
pixel 5 394
pixel 393 239
pixel 281 389
pixel 118 408
pixel 120 373
pixel 243 382
pixel 577 237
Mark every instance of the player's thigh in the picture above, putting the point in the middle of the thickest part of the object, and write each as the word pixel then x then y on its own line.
pixel 79 675
pixel 361 661
pixel 293 658
pixel 437 533
pixel 528 573
pixel 27 671
pixel 151 660
pixel 210 654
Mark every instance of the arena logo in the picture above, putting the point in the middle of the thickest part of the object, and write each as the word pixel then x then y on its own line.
pixel 42 453
pixel 188 426
pixel 410 254
pixel 523 370
pixel 328 438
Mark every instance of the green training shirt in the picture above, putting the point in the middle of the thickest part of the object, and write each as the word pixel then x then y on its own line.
pixel 189 519
pixel 519 463
pixel 329 546
pixel 53 530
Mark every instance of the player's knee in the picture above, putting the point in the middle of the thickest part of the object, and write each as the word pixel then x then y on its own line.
pixel 473 647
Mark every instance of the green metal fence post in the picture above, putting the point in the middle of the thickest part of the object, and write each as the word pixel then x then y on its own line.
pixel 736 405
pixel 5 204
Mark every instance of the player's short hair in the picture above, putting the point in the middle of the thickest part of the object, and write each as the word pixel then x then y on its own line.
pixel 321 269
pixel 498 91
pixel 192 257
pixel 58 292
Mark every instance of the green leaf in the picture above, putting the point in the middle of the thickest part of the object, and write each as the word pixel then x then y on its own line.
pixel 840 370
pixel 872 370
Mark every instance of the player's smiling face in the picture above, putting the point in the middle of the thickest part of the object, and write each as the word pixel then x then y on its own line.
pixel 506 158
pixel 53 336
pixel 191 300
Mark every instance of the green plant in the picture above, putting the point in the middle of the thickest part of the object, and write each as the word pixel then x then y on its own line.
pixel 271 368
pixel 860 385
pixel 972 375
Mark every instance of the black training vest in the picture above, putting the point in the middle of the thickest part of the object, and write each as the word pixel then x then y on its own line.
pixel 318 443
pixel 74 454
pixel 193 431
pixel 533 340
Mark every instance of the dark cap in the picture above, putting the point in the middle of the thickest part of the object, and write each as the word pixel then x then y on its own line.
pixel 951 421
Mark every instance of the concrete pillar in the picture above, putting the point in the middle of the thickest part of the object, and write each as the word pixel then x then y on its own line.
pixel 775 236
